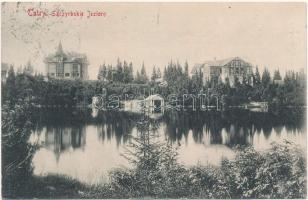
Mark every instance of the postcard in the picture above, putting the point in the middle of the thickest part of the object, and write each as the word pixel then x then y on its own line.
pixel 114 100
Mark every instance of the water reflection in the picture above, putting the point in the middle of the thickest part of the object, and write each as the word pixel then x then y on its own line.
pixel 61 139
pixel 86 146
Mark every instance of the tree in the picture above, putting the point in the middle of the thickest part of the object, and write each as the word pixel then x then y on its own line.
pixel 158 73
pixel 186 70
pixel 138 77
pixel 131 73
pixel 110 73
pixel 126 72
pixel 165 74
pixel 154 75
pixel 155 165
pixel 277 75
pixel 28 69
pixel 257 78
pixel 266 77
pixel 16 127
pixel 102 74
pixel 119 72
pixel 197 81
pixel 143 74
pixel 19 70
pixel 11 86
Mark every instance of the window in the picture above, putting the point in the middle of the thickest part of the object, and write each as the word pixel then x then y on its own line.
pixel 60 69
pixel 67 74
pixel 75 70
pixel 52 74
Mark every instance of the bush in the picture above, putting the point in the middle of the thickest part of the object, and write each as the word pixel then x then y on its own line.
pixel 276 173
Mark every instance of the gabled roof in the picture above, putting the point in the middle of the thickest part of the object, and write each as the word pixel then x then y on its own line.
pixel 154 97
pixel 69 57
pixel 219 62
pixel 216 63
pixel 59 51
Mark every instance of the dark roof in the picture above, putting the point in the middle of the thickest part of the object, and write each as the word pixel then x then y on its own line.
pixel 60 51
pixel 219 62
pixel 68 57
pixel 216 63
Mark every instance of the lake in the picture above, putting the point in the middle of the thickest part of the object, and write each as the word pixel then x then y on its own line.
pixel 86 145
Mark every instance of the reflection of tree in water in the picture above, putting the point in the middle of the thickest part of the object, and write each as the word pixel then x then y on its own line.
pixel 110 125
pixel 240 126
pixel 115 124
pixel 179 124
pixel 61 138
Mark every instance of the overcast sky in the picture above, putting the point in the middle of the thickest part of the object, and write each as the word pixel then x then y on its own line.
pixel 264 34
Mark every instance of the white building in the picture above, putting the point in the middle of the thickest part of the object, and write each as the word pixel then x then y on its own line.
pixel 221 70
pixel 66 65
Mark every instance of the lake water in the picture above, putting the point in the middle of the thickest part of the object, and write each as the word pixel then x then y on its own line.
pixel 86 145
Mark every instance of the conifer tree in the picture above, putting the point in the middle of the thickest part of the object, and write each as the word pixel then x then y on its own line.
pixel 154 75
pixel 143 74
pixel 277 75
pixel 158 73
pixel 11 86
pixel 257 78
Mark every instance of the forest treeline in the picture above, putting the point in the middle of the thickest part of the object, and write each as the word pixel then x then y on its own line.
pixel 289 90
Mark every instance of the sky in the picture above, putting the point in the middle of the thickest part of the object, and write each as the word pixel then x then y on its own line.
pixel 271 35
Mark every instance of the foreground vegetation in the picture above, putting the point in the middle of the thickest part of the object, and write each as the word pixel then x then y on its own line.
pixel 279 172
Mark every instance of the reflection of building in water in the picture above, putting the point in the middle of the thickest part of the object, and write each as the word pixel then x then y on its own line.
pixel 61 139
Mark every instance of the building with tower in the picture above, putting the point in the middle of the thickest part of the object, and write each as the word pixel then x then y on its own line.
pixel 70 65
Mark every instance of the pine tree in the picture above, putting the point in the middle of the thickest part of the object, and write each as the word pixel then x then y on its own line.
pixel 155 162
pixel 102 74
pixel 266 77
pixel 119 73
pixel 186 70
pixel 143 74
pixel 125 72
pixel 257 78
pixel 19 70
pixel 154 75
pixel 28 69
pixel 277 75
pixel 131 73
pixel 165 74
pixel 158 73
pixel 109 73
pixel 11 86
